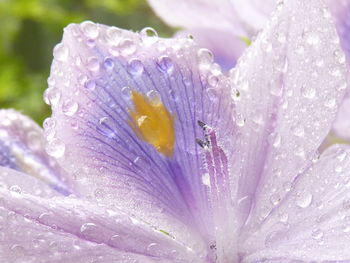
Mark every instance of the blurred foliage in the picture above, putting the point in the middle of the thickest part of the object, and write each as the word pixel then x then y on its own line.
pixel 31 28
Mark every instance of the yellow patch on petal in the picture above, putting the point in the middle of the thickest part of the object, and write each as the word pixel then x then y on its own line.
pixel 153 123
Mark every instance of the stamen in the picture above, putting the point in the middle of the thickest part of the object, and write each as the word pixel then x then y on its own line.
pixel 153 123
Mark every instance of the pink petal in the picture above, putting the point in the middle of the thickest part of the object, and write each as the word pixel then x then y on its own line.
pixel 312 223
pixel 289 85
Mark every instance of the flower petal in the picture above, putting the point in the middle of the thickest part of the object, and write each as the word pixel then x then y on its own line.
pixel 289 84
pixel 192 14
pixel 37 225
pixel 312 223
pixel 22 148
pixel 127 119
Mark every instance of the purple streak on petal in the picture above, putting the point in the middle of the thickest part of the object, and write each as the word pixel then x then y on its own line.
pixel 341 12
pixel 6 159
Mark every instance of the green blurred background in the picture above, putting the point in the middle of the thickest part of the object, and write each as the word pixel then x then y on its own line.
pixel 31 28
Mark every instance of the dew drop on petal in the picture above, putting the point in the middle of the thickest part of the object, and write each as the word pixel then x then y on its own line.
pixel 16 189
pixel 69 107
pixel 90 85
pixel 114 35
pixel 303 199
pixel 61 52
pixel 205 58
pixel 135 67
pixel 108 63
pixel 165 65
pixel 308 92
pixel 55 148
pixel 52 96
pixel 90 29
pixel 93 64
pixel 127 47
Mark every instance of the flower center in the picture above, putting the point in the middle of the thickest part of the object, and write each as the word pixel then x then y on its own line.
pixel 153 123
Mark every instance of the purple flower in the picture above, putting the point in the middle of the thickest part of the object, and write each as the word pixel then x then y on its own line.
pixel 153 154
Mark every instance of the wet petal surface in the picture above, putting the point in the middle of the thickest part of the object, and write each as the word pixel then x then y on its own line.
pixel 288 87
pixel 126 114
pixel 38 224
pixel 312 223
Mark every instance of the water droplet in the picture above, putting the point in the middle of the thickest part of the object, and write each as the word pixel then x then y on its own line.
pixel 308 92
pixel 152 247
pixel 312 38
pixel 206 179
pixel 108 63
pixel 277 141
pixel 298 130
pixel 275 199
pixel 114 35
pixel 330 103
pixel 16 189
pixel 90 29
pixel 154 96
pixel 91 85
pixel 149 36
pixel 213 80
pixel 52 96
pixel 149 31
pixel 127 47
pixel 240 121
pixel 115 240
pixel 303 199
pixel 165 65
pixel 93 64
pixel 55 148
pixel 317 234
pixel 69 107
pixel 339 56
pixel 135 67
pixel 61 52
pixel 205 58
pixel 126 92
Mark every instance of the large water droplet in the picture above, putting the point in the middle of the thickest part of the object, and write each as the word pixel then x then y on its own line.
pixel 308 92
pixel 61 52
pixel 205 58
pixel 303 199
pixel 135 67
pixel 127 47
pixel 114 35
pixel 93 64
pixel 55 148
pixel 108 63
pixel 69 107
pixel 90 29
pixel 52 96
pixel 90 85
pixel 165 64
